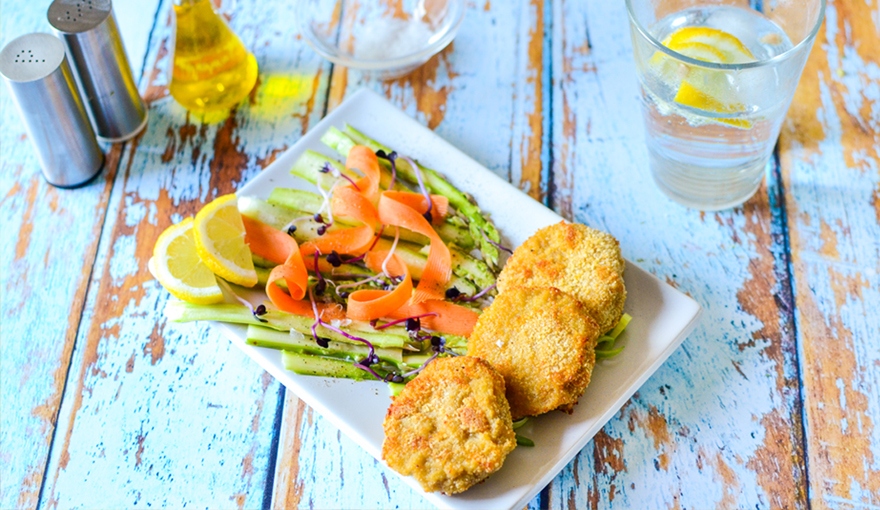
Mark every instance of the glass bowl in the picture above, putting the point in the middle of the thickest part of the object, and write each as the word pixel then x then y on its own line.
pixel 376 36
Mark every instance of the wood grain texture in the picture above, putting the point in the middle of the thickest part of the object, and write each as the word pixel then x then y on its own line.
pixel 52 238
pixel 718 426
pixel 165 414
pixel 106 405
pixel 830 151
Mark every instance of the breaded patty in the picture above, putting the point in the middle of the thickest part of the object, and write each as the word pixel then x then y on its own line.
pixel 450 427
pixel 542 342
pixel 577 259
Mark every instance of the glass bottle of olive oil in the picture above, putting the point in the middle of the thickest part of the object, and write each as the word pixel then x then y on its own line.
pixel 212 70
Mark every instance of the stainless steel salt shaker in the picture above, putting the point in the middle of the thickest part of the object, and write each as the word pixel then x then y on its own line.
pixel 35 69
pixel 94 47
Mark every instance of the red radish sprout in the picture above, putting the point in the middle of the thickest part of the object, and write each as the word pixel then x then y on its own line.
pixel 424 191
pixel 478 295
pixel 398 321
pixel 393 159
pixel 257 312
pixel 336 173
pixel 496 244
pixel 375 240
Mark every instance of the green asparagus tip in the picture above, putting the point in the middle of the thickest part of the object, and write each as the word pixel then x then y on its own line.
pixel 524 441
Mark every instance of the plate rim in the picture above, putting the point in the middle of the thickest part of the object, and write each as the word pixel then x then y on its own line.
pixel 233 333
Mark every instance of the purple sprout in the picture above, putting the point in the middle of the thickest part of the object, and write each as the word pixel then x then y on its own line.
pixel 476 296
pixel 327 169
pixel 496 244
pixel 363 364
pixel 406 319
pixel 392 158
pixel 334 259
pixel 424 191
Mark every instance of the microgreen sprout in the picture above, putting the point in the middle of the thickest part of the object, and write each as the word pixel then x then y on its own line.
pixel 291 227
pixel 391 251
pixel 356 284
pixel 376 237
pixel 424 191
pixel 452 293
pixel 363 364
pixel 392 158
pixel 496 244
pixel 327 169
pixel 257 312
pixel 321 286
pixel 325 205
pixel 334 259
pixel 478 295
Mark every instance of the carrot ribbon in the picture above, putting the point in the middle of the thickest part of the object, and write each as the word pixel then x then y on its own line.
pixel 278 247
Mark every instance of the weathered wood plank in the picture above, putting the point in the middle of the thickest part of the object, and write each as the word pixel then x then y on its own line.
pixel 486 94
pixel 830 150
pixel 718 426
pixel 182 417
pixel 46 266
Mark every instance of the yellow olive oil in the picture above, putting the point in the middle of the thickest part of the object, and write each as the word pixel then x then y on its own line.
pixel 212 70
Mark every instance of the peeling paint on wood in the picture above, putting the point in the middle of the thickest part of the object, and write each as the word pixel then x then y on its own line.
pixel 165 388
pixel 46 266
pixel 702 418
pixel 142 412
pixel 831 168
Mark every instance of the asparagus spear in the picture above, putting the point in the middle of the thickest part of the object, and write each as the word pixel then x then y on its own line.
pixel 180 311
pixel 305 364
pixel 297 342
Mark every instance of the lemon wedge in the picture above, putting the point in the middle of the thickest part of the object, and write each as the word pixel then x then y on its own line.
pixel 705 89
pixel 176 264
pixel 219 237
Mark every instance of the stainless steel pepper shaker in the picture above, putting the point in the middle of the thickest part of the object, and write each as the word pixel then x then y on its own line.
pixel 94 47
pixel 35 69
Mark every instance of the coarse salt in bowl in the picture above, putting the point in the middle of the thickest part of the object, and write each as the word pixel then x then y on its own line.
pixel 390 38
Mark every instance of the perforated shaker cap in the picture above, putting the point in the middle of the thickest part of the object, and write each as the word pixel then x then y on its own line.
pixel 35 69
pixel 100 65
pixel 76 16
pixel 19 63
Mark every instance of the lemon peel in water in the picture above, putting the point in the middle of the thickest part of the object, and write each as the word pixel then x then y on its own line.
pixel 701 88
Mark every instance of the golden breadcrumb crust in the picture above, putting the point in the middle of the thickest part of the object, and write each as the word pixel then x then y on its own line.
pixel 574 258
pixel 542 342
pixel 450 427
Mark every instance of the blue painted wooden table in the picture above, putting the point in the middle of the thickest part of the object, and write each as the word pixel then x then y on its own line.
pixel 773 402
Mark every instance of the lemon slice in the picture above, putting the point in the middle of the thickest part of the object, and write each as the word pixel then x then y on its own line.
pixel 176 264
pixel 700 88
pixel 730 49
pixel 701 51
pixel 691 96
pixel 219 236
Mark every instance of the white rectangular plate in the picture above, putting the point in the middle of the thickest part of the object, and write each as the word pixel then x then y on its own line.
pixel 662 317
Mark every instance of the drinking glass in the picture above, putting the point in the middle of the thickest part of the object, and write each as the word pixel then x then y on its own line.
pixel 717 78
